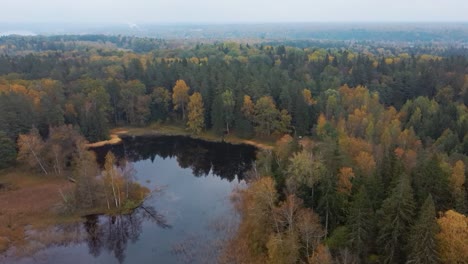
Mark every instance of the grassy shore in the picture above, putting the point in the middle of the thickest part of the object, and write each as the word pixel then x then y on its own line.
pixel 29 200
pixel 175 130
pixel 34 201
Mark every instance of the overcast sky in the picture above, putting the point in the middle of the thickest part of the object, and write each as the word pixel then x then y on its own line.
pixel 219 11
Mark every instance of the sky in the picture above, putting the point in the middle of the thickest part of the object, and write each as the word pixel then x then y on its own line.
pixel 236 11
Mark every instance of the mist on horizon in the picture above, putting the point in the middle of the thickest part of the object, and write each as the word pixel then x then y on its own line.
pixel 92 12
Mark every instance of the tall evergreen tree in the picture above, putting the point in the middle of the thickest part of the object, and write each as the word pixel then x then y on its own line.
pixel 301 116
pixel 396 216
pixel 360 222
pixel 431 178
pixel 422 243
pixel 217 117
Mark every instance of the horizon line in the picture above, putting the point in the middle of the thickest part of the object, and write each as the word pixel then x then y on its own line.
pixel 97 23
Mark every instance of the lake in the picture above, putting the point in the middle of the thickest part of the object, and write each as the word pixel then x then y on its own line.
pixel 185 221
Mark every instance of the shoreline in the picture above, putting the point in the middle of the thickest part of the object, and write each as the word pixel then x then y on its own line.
pixel 116 135
pixel 32 201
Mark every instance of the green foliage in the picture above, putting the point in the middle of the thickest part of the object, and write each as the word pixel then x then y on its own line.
pixel 302 117
pixel 7 151
pixel 217 116
pixel 339 238
pixel 244 128
pixel 396 217
pixel 411 119
pixel 268 119
pixel 431 179
pixel 360 222
pixel 17 114
pixel 93 107
pixel 390 172
pixel 422 242
pixel 329 206
pixel 133 104
pixel 228 108
pixel 160 104
pixel 305 169
pixel 265 114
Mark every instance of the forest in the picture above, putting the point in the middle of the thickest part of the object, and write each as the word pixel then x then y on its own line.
pixel 368 163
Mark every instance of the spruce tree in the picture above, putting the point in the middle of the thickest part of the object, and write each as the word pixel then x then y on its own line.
pixel 422 243
pixel 396 215
pixel 360 222
pixel 430 178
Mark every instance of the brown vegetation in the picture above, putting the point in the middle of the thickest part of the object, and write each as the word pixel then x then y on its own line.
pixel 32 200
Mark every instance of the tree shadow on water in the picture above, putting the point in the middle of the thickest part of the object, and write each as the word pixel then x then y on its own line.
pixel 112 233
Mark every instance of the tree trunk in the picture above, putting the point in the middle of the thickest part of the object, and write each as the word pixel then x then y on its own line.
pixel 118 196
pixel 107 197
pixel 57 166
pixel 113 189
pixel 35 156
pixel 183 112
pixel 326 222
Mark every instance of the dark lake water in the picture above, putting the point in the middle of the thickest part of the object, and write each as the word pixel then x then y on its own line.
pixel 186 222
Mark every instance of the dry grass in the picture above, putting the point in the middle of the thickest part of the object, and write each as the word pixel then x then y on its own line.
pixel 30 209
pixel 31 200
pixel 114 139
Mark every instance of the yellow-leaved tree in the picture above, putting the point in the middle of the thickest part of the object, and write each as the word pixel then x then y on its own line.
pixel 345 176
pixel 308 97
pixel 196 114
pixel 453 237
pixel 180 96
pixel 248 107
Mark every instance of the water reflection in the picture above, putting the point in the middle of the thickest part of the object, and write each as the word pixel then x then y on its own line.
pixel 180 224
pixel 222 159
pixel 112 233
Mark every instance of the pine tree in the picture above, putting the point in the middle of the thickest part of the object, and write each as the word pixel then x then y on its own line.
pixel 422 243
pixel 397 214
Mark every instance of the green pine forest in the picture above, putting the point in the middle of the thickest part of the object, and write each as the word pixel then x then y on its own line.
pixel 370 139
